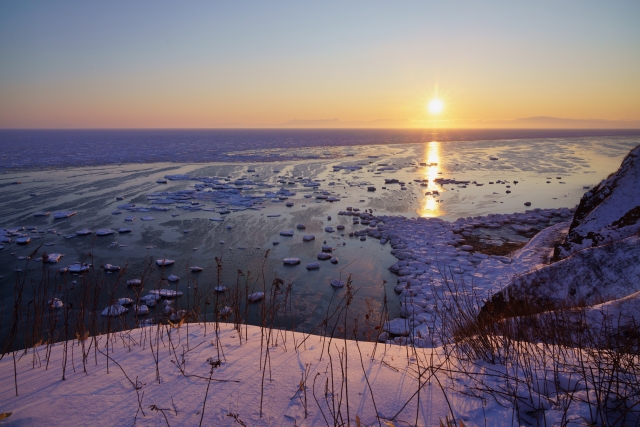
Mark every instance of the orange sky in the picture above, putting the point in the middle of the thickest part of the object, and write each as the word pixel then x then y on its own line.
pixel 212 65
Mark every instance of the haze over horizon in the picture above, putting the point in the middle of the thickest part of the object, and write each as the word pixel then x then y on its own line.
pixel 285 64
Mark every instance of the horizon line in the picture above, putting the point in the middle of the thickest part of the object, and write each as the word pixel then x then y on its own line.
pixel 280 127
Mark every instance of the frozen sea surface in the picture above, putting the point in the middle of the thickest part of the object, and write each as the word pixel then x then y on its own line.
pixel 26 149
pixel 236 210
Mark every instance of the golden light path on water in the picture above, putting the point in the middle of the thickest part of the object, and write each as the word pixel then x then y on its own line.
pixel 431 207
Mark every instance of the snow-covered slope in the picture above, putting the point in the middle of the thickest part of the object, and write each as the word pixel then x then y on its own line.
pixel 591 276
pixel 609 212
pixel 302 372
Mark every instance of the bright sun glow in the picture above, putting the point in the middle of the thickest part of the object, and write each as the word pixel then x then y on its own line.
pixel 435 106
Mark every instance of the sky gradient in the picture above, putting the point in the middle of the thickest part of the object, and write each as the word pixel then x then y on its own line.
pixel 216 64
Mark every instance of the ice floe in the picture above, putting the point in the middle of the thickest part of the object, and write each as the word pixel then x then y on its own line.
pixel 55 303
pixel 104 232
pixel 141 309
pixel 256 296
pixel 114 310
pixel 166 293
pixel 337 283
pixel 64 214
pixel 78 268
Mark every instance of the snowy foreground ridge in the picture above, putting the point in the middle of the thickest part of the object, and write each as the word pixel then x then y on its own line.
pixel 263 377
pixel 120 389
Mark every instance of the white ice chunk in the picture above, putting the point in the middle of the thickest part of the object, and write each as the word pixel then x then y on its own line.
pixel 104 232
pixel 114 310
pixel 256 296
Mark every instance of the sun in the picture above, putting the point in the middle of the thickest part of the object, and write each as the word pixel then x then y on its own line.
pixel 435 106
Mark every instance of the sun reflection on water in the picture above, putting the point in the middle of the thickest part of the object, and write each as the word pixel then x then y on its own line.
pixel 431 207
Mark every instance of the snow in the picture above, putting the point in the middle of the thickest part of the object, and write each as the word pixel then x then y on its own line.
pixel 110 267
pixel 592 275
pixel 104 232
pixel 256 296
pixel 78 268
pixel 609 212
pixel 114 310
pixel 106 397
pixel 166 293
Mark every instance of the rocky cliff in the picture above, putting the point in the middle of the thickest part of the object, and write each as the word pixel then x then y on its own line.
pixel 607 213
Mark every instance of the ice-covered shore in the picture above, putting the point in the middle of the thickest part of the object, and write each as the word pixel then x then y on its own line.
pixel 435 261
pixel 599 252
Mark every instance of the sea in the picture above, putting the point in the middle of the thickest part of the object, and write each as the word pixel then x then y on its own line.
pixel 219 200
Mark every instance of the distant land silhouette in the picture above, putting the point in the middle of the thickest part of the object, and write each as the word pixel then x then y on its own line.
pixel 538 122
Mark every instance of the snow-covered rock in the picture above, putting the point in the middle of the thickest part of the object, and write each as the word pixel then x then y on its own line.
pixel 609 212
pixel 590 276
